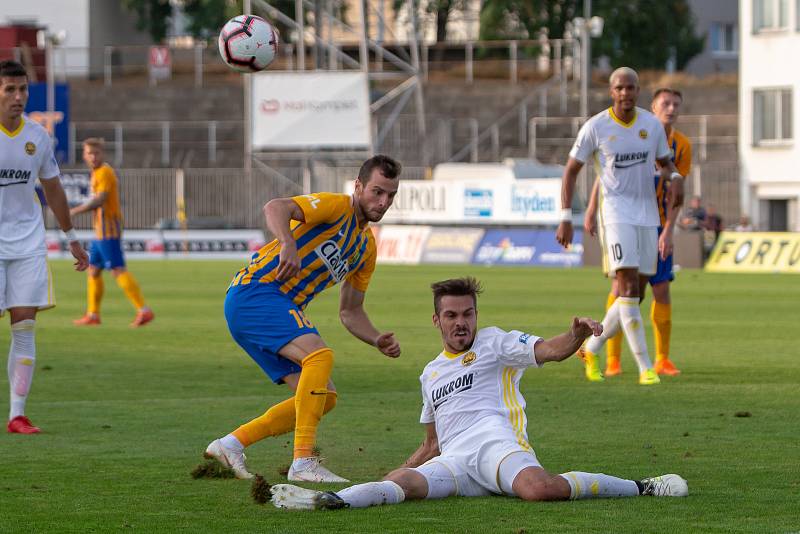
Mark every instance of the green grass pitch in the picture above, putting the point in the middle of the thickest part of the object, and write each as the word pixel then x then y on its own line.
pixel 127 413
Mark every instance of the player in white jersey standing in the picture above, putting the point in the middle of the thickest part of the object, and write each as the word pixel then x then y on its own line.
pixel 26 153
pixel 476 441
pixel 625 142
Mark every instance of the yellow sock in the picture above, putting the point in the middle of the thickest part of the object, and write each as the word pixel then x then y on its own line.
pixel 278 420
pixel 130 286
pixel 94 293
pixel 614 344
pixel 309 400
pixel 661 315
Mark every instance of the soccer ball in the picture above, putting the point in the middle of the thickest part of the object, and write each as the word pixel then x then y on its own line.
pixel 248 43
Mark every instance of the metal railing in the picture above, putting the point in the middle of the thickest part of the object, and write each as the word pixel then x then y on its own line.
pixel 513 60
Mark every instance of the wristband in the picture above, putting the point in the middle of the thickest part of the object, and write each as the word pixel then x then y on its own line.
pixel 566 215
pixel 70 235
pixel 675 175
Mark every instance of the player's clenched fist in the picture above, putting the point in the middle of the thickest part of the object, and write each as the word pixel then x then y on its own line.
pixel 388 345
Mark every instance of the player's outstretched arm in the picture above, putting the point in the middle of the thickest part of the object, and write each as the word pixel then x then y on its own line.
pixel 564 232
pixel 427 450
pixel 564 345
pixel 57 201
pixel 355 319
pixel 279 213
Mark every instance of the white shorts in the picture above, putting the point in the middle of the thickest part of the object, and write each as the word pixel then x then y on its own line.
pixel 26 282
pixel 477 473
pixel 626 246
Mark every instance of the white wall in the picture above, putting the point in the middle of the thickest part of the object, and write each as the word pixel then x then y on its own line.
pixel 56 15
pixel 768 60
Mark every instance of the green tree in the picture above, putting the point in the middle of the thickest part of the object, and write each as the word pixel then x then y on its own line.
pixel 441 8
pixel 152 16
pixel 642 34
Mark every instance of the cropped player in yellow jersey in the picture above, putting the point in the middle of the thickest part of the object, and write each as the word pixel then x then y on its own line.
pixel 666 107
pixel 106 250
pixel 321 239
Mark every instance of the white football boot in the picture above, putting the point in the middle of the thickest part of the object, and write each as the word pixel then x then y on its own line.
pixel 310 470
pixel 229 458
pixel 296 498
pixel 665 486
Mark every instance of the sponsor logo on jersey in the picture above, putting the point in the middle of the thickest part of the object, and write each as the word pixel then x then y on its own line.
pixel 643 133
pixel 14 176
pixel 331 256
pixel 468 358
pixel 524 338
pixel 30 148
pixel 446 392
pixel 630 159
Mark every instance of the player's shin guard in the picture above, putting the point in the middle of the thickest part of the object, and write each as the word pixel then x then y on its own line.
pixel 595 485
pixel 278 420
pixel 372 494
pixel 631 319
pixel 309 400
pixel 21 363
pixel 94 293
pixel 130 286
pixel 661 315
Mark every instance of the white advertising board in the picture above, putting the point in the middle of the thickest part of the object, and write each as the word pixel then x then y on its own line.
pixel 533 201
pixel 313 109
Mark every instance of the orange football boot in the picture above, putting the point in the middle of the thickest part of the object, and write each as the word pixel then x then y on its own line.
pixel 144 316
pixel 90 319
pixel 666 367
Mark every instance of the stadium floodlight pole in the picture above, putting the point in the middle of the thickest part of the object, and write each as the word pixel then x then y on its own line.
pixel 419 99
pixel 248 112
pixel 586 56
pixel 301 35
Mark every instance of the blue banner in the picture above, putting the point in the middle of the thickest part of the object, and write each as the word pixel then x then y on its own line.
pixel 518 246
pixel 58 121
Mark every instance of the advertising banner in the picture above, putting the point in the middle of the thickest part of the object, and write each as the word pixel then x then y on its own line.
pixel 755 252
pixel 310 109
pixel 518 246
pixel 402 244
pixel 155 244
pixel 451 245
pixel 534 201
pixel 57 122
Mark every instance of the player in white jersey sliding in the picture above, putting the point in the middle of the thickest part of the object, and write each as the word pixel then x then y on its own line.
pixel 476 442
pixel 625 143
pixel 26 153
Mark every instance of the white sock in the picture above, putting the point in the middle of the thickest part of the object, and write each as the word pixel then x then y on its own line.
pixel 591 485
pixel 232 442
pixel 21 363
pixel 610 329
pixel 631 318
pixel 372 494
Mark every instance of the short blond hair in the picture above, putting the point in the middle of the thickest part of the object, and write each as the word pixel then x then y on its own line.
pixel 95 142
pixel 623 71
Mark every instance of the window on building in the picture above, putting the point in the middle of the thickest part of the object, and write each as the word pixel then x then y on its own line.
pixel 724 37
pixel 772 115
pixel 770 15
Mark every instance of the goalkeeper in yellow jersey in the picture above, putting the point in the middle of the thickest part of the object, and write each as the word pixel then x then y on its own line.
pixel 321 239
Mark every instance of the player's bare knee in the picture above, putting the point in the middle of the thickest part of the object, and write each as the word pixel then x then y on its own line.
pixel 552 488
pixel 412 482
pixel 116 271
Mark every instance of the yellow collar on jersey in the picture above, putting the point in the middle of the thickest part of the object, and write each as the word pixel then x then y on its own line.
pixel 15 132
pixel 620 121
pixel 452 355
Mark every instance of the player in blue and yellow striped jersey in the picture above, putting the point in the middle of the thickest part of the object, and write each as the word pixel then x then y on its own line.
pixel 321 239
pixel 666 107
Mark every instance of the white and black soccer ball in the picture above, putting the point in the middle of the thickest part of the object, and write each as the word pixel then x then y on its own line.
pixel 248 43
